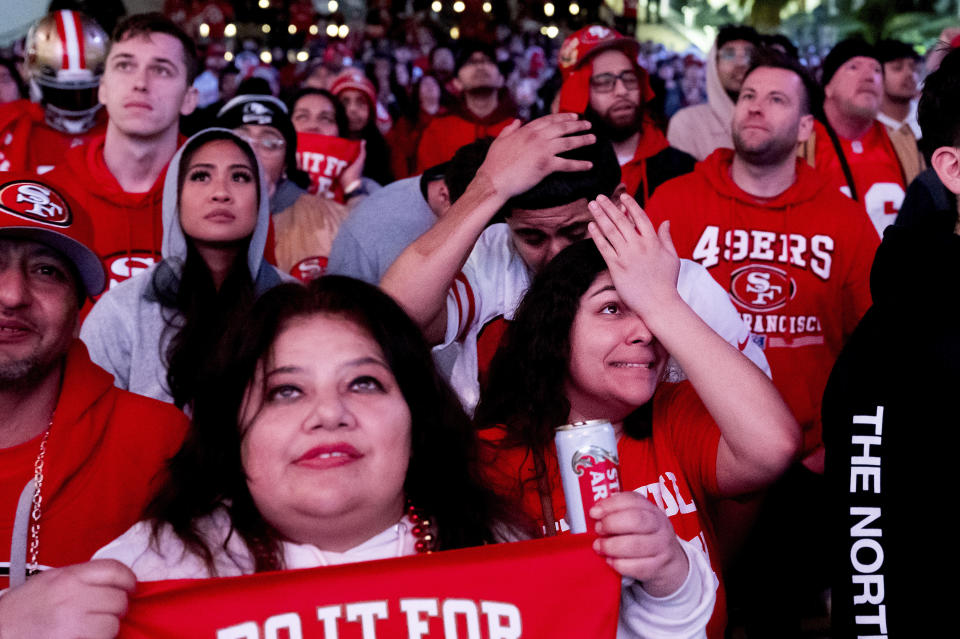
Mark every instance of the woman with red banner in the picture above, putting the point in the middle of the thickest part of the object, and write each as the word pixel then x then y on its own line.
pixel 592 339
pixel 303 225
pixel 329 438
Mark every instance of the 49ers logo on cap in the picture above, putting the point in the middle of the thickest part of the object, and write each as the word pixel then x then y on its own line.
pixel 761 288
pixel 35 202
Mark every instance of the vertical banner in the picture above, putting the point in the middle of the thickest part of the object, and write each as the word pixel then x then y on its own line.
pixel 545 588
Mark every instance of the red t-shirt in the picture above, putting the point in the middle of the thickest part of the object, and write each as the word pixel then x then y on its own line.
pixel 675 468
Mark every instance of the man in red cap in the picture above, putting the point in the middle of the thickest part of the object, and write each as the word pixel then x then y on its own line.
pixel 78 457
pixel 484 109
pixel 602 81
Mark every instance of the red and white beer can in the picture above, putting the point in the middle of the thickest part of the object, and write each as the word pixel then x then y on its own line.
pixel 589 468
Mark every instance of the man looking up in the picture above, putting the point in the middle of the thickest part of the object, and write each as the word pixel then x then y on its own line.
pixel 146 87
pixel 603 81
pixel 794 256
pixel 860 161
pixel 483 110
pixel 78 457
pixel 460 277
pixel 701 128
pixel 901 87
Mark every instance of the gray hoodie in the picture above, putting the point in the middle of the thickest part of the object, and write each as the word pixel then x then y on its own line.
pixel 125 332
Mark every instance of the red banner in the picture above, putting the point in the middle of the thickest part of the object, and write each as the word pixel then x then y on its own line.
pixel 545 588
pixel 324 158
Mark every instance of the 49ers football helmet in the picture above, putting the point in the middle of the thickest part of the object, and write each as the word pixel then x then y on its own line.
pixel 65 55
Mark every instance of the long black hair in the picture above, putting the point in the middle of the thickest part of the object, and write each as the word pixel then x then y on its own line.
pixel 525 386
pixel 442 478
pixel 197 313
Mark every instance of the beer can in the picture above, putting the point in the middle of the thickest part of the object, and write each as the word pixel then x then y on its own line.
pixel 589 468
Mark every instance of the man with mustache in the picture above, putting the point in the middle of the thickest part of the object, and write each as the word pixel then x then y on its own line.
pixel 603 81
pixel 901 88
pixel 857 156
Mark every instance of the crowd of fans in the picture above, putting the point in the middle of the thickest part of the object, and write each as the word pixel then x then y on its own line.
pixel 333 312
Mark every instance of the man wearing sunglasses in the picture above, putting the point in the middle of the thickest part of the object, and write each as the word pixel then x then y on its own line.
pixel 602 81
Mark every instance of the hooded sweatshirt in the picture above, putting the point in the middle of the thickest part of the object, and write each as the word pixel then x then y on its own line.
pixel 444 135
pixel 126 331
pixel 127 227
pixel 796 266
pixel 28 143
pixel 105 451
pixel 890 429
pixel 702 128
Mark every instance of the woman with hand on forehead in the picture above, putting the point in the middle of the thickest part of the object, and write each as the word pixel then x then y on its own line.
pixel 592 340
pixel 330 438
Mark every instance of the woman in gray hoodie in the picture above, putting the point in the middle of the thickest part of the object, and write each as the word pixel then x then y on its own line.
pixel 158 333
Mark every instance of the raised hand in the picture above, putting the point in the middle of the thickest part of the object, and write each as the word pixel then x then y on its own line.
pixel 643 262
pixel 521 156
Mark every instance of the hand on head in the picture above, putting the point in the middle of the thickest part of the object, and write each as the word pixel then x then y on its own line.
pixel 84 600
pixel 637 540
pixel 521 156
pixel 643 261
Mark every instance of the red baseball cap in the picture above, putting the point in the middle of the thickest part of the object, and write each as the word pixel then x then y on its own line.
pixel 33 208
pixel 574 58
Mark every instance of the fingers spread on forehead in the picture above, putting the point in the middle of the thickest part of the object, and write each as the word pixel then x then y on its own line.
pixel 637 215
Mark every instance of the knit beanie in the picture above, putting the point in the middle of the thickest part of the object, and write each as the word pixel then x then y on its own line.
pixel 845 50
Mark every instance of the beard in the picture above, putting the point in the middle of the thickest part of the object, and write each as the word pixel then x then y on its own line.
pixel 613 131
pixel 771 151
pixel 23 373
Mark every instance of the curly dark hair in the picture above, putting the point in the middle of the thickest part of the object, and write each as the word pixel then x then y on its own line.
pixel 525 388
pixel 442 479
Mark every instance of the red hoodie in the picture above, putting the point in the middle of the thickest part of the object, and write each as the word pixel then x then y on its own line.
pixel 796 266
pixel 445 134
pixel 127 227
pixel 28 143
pixel 105 452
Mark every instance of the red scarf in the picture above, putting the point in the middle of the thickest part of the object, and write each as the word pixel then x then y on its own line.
pixel 556 587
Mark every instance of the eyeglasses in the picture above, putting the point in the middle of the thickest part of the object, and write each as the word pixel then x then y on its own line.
pixel 606 82
pixel 730 54
pixel 266 142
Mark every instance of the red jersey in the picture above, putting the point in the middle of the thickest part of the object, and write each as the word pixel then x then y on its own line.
pixel 105 452
pixel 445 134
pixel 28 143
pixel 675 468
pixel 127 227
pixel 875 168
pixel 796 266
